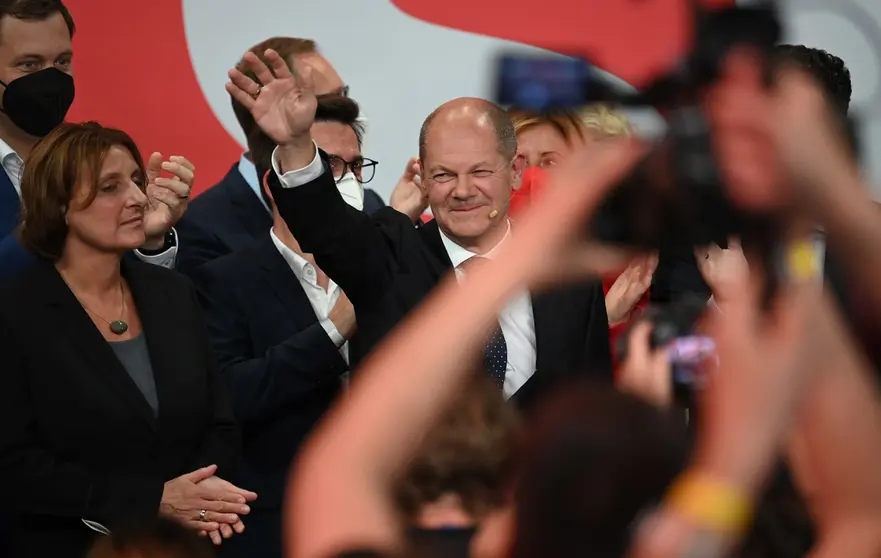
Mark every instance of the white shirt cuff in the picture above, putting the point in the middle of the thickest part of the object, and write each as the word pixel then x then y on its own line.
pixel 165 259
pixel 294 178
pixel 332 332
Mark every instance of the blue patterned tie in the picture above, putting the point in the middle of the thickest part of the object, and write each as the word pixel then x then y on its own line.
pixel 495 357
pixel 495 351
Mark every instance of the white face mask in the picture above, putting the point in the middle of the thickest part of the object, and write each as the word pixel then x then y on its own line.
pixel 352 191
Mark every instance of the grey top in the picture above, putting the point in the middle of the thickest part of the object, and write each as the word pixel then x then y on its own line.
pixel 135 357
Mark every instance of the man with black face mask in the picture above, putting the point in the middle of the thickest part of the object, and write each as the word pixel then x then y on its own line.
pixel 36 91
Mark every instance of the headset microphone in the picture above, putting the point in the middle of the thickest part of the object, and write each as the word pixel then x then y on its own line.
pixel 495 212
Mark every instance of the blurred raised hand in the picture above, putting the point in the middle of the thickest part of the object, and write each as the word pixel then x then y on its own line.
pixel 724 269
pixel 646 373
pixel 629 288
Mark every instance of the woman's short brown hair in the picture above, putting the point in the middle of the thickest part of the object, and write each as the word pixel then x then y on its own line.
pixel 469 454
pixel 51 173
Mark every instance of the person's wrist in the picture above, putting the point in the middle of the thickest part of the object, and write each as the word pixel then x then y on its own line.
pixel 154 247
pixel 618 318
pixel 710 502
pixel 296 153
pixel 154 243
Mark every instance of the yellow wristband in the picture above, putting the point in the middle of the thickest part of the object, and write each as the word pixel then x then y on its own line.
pixel 801 261
pixel 710 504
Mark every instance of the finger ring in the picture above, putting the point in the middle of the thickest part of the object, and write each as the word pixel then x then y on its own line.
pixel 257 94
pixel 202 514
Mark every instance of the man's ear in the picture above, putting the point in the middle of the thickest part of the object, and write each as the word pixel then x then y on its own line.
pixel 518 165
pixel 266 188
pixel 420 170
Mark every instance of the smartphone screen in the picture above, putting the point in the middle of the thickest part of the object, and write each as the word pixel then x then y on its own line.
pixel 541 83
pixel 688 358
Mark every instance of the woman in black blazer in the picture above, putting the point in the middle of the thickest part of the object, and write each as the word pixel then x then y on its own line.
pixel 110 404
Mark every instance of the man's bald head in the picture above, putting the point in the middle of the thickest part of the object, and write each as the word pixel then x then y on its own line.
pixel 476 112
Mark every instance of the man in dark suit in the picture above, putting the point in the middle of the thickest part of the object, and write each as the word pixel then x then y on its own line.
pixel 235 212
pixel 280 328
pixel 386 266
pixel 36 72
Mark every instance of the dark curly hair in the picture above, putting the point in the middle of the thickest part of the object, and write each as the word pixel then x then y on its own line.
pixel 829 70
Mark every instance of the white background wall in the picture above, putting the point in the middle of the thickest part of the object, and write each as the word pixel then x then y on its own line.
pixel 400 68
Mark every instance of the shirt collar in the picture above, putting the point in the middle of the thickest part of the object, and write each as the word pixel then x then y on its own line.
pixel 6 151
pixel 249 172
pixel 458 255
pixel 297 262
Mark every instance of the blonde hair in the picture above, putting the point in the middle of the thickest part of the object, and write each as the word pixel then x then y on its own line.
pixel 602 122
pixel 567 124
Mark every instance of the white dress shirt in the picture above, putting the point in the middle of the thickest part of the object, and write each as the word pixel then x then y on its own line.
pixel 516 318
pixel 13 165
pixel 322 301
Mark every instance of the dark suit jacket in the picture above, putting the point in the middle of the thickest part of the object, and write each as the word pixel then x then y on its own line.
pixel 78 439
pixel 280 366
pixel 386 266
pixel 281 369
pixel 228 217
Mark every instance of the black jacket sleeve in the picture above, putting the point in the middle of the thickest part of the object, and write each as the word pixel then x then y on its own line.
pixel 262 384
pixel 346 243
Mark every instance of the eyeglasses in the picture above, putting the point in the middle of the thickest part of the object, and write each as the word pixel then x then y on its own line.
pixel 363 168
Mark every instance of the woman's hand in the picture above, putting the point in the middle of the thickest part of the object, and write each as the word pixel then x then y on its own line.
pixel 221 486
pixel 725 270
pixel 646 373
pixel 168 197
pixel 629 288
pixel 186 497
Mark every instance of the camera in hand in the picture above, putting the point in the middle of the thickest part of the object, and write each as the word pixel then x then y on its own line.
pixel 675 197
pixel 673 330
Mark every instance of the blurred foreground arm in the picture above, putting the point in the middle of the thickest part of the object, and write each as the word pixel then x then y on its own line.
pixel 351 463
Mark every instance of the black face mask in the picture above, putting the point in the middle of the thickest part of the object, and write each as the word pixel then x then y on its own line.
pixel 38 102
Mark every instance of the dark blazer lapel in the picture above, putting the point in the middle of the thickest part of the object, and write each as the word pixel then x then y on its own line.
pixel 252 214
pixel 283 283
pixel 430 233
pixel 71 318
pixel 546 316
pixel 164 333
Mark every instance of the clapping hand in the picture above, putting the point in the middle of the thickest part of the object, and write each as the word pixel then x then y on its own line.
pixel 282 104
pixel 629 287
pixel 203 504
pixel 724 270
pixel 408 196
pixel 167 197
